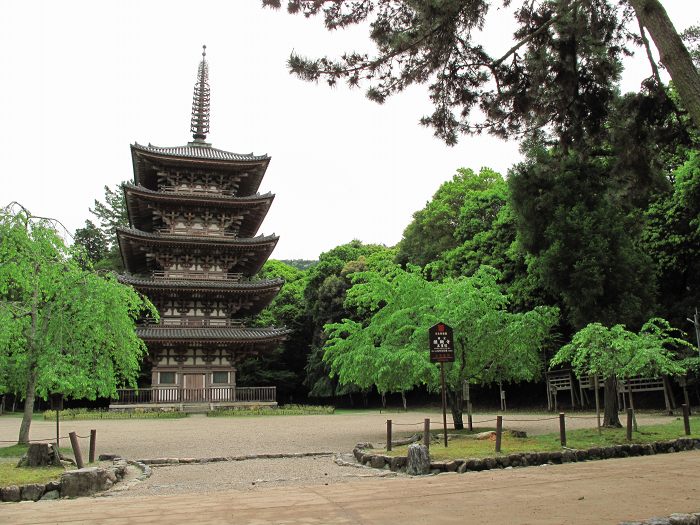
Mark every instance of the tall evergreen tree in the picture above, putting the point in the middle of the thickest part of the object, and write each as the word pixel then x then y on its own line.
pixel 435 42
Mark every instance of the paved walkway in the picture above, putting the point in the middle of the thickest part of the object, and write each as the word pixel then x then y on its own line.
pixel 595 492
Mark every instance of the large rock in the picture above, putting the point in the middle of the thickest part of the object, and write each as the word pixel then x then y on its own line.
pixel 10 493
pixel 32 492
pixel 418 460
pixel 51 494
pixel 85 481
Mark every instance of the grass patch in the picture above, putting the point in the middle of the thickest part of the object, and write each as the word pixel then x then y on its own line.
pixel 17 451
pixel 83 414
pixel 11 475
pixel 286 410
pixel 462 446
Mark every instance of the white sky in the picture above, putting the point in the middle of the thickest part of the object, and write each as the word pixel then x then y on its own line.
pixel 84 79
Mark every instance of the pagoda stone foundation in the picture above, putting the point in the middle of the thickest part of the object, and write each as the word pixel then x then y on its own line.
pixel 192 248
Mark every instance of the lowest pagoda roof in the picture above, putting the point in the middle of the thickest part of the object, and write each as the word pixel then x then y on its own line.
pixel 198 156
pixel 212 334
pixel 140 211
pixel 202 284
pixel 132 243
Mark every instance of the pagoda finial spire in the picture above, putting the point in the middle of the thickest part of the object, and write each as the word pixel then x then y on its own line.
pixel 200 101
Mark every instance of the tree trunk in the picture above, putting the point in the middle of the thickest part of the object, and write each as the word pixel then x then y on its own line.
pixel 674 55
pixel 28 408
pixel 454 398
pixel 610 416
pixel 31 365
pixel 403 400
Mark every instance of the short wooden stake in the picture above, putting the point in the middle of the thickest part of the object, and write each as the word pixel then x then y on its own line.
pixel 93 439
pixel 76 450
pixel 686 419
pixel 562 429
pixel 630 418
pixel 470 426
pixel 499 431
pixel 426 432
pixel 388 435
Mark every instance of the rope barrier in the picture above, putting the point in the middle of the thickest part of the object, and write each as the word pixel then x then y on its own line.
pixel 50 440
pixel 529 420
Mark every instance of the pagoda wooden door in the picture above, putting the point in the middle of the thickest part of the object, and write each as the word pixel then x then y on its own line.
pixel 194 387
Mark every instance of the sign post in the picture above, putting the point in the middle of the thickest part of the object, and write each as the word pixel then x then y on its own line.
pixel 442 351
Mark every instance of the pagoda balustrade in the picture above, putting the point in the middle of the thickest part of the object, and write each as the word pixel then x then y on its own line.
pixel 211 394
pixel 196 189
pixel 195 275
pixel 199 233
pixel 167 322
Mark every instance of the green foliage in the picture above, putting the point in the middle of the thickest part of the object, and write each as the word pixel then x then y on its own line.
pixel 389 349
pixel 91 238
pixel 62 328
pixel 672 236
pixel 617 352
pixel 299 264
pixel 84 414
pixel 284 367
pixel 111 215
pixel 575 220
pixel 324 296
pixel 560 74
pixel 284 410
pixel 437 227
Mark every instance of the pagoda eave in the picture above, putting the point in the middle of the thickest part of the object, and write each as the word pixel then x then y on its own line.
pixel 213 335
pixel 141 202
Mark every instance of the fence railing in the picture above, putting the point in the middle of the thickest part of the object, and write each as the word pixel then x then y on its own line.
pixel 212 394
pixel 195 275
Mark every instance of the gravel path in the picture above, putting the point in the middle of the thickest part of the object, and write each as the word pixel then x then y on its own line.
pixel 199 437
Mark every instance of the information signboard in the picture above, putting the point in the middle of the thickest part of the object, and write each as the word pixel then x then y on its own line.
pixel 442 348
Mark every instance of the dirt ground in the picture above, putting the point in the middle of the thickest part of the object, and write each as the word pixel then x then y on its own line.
pixel 321 491
pixel 198 436
pixel 595 492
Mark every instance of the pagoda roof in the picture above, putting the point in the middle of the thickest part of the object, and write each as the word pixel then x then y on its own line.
pixel 141 214
pixel 258 249
pixel 202 284
pixel 212 334
pixel 198 156
pixel 201 152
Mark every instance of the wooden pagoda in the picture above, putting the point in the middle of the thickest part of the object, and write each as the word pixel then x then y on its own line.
pixel 191 248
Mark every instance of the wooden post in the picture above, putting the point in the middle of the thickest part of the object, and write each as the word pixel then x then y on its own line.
pixel 444 402
pixel 597 402
pixel 426 433
pixel 76 450
pixel 93 439
pixel 686 419
pixel 58 433
pixel 470 427
pixel 562 429
pixel 388 435
pixel 499 431
pixel 629 424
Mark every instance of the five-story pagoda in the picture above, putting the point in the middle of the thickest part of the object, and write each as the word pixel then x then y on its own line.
pixel 192 249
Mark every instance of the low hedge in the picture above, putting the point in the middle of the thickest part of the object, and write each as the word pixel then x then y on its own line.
pixel 285 410
pixel 72 414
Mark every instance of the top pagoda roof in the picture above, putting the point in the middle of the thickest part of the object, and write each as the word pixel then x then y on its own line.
pixel 203 152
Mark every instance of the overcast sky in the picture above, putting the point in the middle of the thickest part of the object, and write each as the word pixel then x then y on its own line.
pixel 84 79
